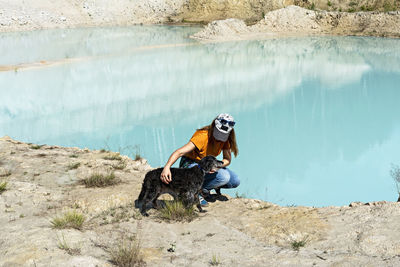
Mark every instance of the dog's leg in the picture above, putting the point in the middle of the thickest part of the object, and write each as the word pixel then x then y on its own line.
pixel 188 200
pixel 155 205
pixel 150 197
pixel 144 203
pixel 143 208
pixel 142 192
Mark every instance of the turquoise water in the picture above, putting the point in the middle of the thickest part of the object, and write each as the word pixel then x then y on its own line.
pixel 317 117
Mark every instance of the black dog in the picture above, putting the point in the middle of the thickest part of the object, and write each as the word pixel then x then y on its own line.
pixel 185 185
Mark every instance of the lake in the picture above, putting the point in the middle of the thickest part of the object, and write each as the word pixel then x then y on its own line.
pixel 317 117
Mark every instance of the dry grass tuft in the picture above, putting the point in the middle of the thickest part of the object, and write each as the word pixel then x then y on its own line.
pixel 70 219
pixel 176 211
pixel 74 166
pixel 127 253
pixel 113 156
pixel 100 180
pixel 120 166
pixel 215 260
pixel 36 146
pixel 118 214
pixel 3 186
pixel 62 244
pixel 5 173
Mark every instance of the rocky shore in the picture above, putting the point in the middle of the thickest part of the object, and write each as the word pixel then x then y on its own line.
pixel 228 20
pixel 45 181
pixel 294 21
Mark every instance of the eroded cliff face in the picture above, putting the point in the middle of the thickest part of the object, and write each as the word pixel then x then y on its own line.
pixel 251 11
pixel 294 20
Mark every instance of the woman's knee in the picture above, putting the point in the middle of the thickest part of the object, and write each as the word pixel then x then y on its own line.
pixel 234 180
pixel 223 176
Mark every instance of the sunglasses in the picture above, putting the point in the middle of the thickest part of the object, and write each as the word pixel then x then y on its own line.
pixel 230 123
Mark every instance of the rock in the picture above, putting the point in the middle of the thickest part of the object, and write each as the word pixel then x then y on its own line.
pixel 356 204
pixel 222 29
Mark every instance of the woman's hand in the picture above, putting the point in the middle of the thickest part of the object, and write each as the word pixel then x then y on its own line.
pixel 166 176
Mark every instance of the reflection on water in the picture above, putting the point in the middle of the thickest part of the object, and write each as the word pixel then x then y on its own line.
pixel 317 116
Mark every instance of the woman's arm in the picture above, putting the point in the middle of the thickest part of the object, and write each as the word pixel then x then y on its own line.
pixel 226 157
pixel 166 176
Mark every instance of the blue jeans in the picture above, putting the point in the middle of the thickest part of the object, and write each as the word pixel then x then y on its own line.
pixel 223 178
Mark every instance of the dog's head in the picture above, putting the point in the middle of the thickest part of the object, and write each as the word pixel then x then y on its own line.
pixel 210 163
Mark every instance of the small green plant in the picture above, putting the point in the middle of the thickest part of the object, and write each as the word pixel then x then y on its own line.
pixel 352 3
pixel 176 211
pixel 369 8
pixel 395 173
pixel 329 3
pixel 103 150
pixel 172 247
pixel 238 195
pixel 388 7
pixel 62 244
pixel 100 180
pixel 73 156
pixel 296 245
pixel 312 7
pixel 3 186
pixel 113 156
pixel 127 253
pixel 36 146
pixel 351 10
pixel 215 260
pixel 74 166
pixel 70 219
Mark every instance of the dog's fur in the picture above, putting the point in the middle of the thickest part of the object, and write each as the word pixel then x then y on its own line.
pixel 185 185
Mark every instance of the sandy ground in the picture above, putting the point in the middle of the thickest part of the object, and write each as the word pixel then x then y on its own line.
pixel 42 184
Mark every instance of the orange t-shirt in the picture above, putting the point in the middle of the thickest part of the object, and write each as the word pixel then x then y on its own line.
pixel 203 148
